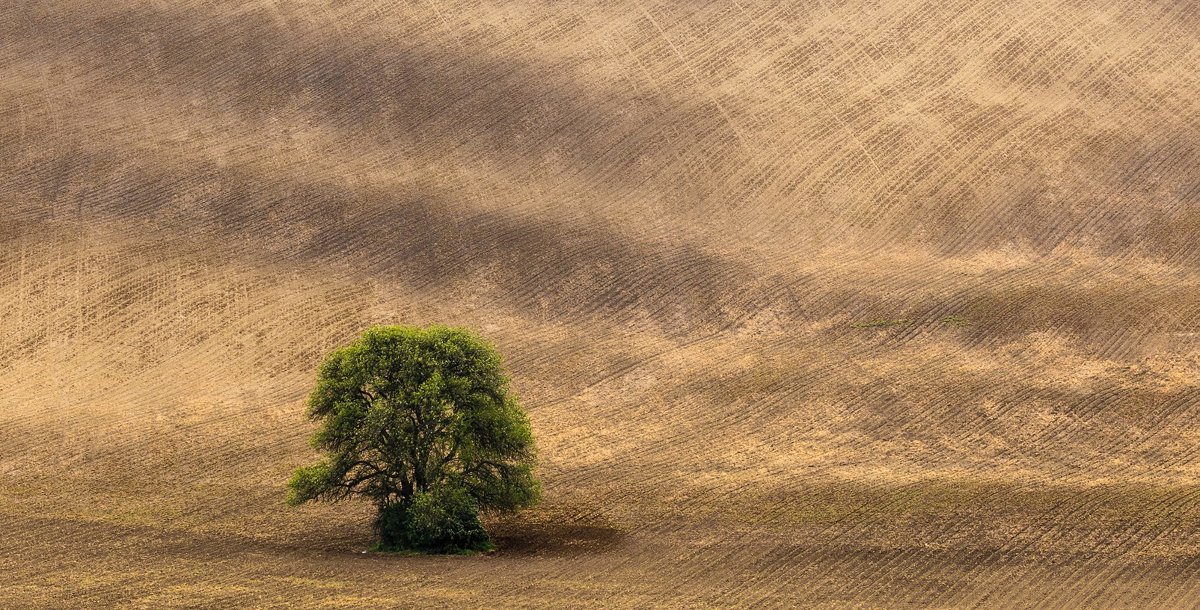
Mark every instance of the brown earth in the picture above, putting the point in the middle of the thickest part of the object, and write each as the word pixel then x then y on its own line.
pixel 883 303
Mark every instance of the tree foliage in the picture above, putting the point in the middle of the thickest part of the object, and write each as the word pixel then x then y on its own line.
pixel 421 422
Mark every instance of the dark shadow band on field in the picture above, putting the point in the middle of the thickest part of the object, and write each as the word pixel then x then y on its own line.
pixel 405 90
pixel 417 236
pixel 435 97
pixel 399 92
pixel 513 537
pixel 555 539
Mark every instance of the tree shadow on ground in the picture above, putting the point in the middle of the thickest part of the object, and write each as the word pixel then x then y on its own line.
pixel 527 539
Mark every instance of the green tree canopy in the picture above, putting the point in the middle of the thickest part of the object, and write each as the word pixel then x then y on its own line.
pixel 421 422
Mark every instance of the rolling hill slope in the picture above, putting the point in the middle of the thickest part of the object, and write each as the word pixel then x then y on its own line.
pixel 831 304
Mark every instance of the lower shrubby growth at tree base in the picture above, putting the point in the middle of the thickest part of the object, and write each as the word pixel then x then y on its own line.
pixel 421 422
pixel 442 521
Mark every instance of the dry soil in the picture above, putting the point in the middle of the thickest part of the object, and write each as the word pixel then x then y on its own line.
pixel 870 303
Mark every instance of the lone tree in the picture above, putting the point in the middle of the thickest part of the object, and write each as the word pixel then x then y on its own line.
pixel 421 422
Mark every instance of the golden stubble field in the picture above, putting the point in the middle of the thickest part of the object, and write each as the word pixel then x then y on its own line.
pixel 831 304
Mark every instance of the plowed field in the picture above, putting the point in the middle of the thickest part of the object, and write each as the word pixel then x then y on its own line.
pixel 834 303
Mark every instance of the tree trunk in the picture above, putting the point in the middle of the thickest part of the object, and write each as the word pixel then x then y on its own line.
pixel 391 525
